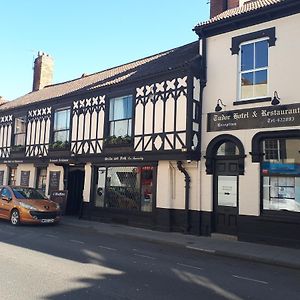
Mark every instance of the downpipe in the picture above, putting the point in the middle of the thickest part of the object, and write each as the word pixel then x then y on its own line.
pixel 187 180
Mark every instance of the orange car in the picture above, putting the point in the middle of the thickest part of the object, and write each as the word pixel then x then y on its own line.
pixel 27 205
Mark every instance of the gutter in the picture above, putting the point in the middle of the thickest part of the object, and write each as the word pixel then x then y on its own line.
pixel 187 195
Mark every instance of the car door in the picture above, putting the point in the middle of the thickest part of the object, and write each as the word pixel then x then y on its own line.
pixel 5 202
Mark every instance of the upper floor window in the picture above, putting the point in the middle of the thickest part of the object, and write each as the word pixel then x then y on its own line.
pixel 61 130
pixel 20 131
pixel 254 69
pixel 120 116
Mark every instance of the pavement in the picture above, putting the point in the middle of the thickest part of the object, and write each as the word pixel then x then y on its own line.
pixel 217 245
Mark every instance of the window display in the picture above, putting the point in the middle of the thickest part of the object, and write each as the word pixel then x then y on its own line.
pixel 281 175
pixel 127 187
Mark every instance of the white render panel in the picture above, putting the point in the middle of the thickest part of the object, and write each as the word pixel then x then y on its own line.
pixel 148 118
pixel 159 116
pixel 1 136
pixel 94 125
pixel 101 125
pixel 87 182
pixel 170 110
pixel 37 132
pixel 138 128
pixel 74 127
pixel 181 112
pixel 5 136
pixel 80 127
pixel 165 190
pixel 87 126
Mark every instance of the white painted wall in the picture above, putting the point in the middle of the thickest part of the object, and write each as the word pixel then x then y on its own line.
pixel 171 185
pixel 87 182
pixel 222 82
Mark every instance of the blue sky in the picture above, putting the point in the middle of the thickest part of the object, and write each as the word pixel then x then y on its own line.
pixel 88 36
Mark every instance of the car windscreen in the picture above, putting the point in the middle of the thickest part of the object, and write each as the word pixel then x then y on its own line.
pixel 28 193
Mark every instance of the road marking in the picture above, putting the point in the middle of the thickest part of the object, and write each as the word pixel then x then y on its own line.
pixel 144 256
pixel 75 241
pixel 250 279
pixel 189 266
pixel 51 236
pixel 201 249
pixel 107 248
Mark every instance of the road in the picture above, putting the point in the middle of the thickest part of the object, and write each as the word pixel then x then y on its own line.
pixel 67 262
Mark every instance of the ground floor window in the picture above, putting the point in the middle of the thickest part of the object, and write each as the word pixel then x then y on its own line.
pixel 125 187
pixel 281 174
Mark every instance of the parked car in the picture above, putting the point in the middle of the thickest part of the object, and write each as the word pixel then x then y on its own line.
pixel 27 205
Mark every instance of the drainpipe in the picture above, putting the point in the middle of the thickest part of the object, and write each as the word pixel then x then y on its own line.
pixel 187 195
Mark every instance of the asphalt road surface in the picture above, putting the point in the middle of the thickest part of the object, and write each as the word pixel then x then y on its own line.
pixel 66 262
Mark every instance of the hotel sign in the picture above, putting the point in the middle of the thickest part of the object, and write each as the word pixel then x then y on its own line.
pixel 262 117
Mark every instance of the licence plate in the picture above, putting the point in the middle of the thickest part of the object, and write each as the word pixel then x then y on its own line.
pixel 47 220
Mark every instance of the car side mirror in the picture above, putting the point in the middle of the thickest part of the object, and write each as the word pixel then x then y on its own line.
pixel 6 198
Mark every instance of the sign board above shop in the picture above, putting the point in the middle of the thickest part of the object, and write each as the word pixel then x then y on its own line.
pixel 261 117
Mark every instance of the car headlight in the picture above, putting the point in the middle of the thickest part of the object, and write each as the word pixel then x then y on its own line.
pixel 27 206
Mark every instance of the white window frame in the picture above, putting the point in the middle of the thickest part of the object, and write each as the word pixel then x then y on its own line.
pixel 110 122
pixel 65 129
pixel 240 72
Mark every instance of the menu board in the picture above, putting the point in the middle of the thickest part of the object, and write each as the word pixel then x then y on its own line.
pixel 54 178
pixel 1 177
pixel 60 197
pixel 25 178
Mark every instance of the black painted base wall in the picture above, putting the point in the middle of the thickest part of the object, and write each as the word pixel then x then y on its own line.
pixel 266 230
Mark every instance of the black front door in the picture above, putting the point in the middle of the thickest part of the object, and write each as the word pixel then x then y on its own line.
pixel 226 196
pixel 75 191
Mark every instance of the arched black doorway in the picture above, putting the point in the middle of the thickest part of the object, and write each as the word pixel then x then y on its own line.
pixel 225 160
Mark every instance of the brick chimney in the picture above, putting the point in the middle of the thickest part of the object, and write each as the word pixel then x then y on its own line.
pixel 218 6
pixel 42 71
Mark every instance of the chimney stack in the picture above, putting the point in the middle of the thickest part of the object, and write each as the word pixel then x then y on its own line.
pixel 219 6
pixel 42 71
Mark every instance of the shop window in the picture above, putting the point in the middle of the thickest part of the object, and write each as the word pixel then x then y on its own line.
pixel 281 174
pixel 253 70
pixel 228 149
pixel 19 131
pixel 61 129
pixel 120 120
pixel 128 188
pixel 41 179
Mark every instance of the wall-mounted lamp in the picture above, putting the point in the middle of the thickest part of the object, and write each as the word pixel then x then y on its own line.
pixel 218 106
pixel 275 100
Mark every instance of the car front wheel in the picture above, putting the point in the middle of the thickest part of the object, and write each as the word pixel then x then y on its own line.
pixel 15 217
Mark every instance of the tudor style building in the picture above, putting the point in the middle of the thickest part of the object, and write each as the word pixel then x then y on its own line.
pixel 250 174
pixel 120 141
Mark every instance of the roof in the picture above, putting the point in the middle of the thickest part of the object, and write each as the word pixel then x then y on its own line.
pixel 130 72
pixel 246 8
